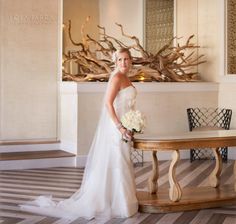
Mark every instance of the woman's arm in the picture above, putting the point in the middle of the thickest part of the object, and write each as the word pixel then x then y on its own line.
pixel 112 92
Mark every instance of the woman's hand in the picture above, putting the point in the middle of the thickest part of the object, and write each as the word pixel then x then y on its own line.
pixel 126 134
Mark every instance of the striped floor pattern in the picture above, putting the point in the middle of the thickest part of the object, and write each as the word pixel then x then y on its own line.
pixel 17 187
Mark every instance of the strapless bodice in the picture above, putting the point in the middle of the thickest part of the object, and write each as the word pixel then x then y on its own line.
pixel 125 100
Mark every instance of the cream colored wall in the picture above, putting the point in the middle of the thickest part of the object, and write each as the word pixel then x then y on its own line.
pixel 164 105
pixel 166 111
pixel 69 117
pixel 202 18
pixel 30 69
pixel 130 14
pixel 89 108
pixel 77 11
pixel 186 19
pixel 186 23
pixel 209 37
pixel 227 99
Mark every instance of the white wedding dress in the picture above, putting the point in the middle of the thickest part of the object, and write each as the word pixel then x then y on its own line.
pixel 108 187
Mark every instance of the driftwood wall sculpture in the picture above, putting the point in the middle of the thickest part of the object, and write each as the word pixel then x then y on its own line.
pixel 94 59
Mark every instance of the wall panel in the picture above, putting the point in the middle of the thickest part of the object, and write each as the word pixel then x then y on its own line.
pixel 30 69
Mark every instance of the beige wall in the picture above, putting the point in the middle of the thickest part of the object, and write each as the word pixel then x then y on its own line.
pixel 30 69
pixel 186 19
pixel 164 105
pixel 209 37
pixel 227 99
pixel 77 11
pixel 186 24
pixel 203 19
pixel 69 117
pixel 130 14
pixel 89 108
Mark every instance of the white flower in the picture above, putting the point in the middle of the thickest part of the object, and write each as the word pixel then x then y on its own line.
pixel 134 121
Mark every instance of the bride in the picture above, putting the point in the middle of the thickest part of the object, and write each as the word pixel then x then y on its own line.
pixel 108 187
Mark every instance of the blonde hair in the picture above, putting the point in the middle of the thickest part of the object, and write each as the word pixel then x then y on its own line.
pixel 121 50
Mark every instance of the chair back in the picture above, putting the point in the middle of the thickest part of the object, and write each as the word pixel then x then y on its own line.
pixel 209 117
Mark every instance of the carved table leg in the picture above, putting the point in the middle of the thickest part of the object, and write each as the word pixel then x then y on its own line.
pixel 214 177
pixel 175 190
pixel 152 181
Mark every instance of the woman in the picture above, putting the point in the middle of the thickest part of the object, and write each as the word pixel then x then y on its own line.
pixel 108 187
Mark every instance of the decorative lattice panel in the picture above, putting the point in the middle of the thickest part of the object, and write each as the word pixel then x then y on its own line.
pixel 209 118
pixel 231 36
pixel 136 157
pixel 159 24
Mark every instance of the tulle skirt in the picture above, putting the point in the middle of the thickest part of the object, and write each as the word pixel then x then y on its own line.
pixel 108 187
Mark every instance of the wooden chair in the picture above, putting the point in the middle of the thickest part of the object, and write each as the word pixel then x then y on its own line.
pixel 200 119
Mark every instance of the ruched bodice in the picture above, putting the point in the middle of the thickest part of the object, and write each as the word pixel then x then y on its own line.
pixel 125 100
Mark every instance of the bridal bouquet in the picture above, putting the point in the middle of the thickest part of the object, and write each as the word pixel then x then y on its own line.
pixel 133 121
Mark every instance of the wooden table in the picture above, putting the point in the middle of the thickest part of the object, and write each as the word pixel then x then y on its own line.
pixel 178 199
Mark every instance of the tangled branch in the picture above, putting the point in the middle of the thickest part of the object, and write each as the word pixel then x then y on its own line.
pixel 94 59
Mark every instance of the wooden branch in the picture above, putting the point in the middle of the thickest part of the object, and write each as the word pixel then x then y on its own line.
pixel 70 37
pixel 139 47
pixel 165 47
pixel 94 58
pixel 83 34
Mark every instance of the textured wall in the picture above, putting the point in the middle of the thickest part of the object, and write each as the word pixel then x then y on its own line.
pixel 30 69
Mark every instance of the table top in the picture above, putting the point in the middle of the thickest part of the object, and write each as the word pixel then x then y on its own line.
pixel 212 138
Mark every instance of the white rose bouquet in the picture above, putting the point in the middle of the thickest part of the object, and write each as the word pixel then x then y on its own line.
pixel 133 121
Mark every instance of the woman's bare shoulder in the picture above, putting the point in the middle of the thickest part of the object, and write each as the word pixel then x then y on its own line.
pixel 117 78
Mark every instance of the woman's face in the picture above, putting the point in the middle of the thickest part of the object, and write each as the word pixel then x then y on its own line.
pixel 123 62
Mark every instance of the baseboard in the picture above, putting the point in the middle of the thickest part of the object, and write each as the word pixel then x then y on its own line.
pixel 66 146
pixel 69 146
pixel 38 163
pixel 29 147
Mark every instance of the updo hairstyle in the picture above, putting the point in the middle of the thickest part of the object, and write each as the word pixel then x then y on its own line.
pixel 121 50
